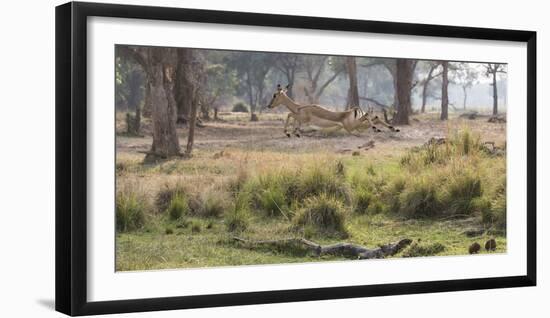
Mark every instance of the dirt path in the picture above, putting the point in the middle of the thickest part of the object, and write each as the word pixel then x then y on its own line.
pixel 268 135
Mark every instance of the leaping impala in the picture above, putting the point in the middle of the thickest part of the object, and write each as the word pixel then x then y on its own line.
pixel 321 118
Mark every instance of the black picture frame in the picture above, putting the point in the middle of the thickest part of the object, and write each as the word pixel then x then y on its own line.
pixel 71 157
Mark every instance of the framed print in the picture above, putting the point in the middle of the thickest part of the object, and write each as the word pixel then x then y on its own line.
pixel 208 158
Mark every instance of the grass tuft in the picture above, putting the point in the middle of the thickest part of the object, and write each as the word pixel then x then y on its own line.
pixel 166 194
pixel 460 193
pixel 420 199
pixel 325 213
pixel 130 211
pixel 178 207
pixel 214 203
pixel 238 219
pixel 317 181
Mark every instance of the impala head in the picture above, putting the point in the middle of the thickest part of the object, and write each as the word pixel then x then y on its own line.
pixel 279 96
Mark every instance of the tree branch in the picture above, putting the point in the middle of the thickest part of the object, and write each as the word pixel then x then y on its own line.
pixel 374 101
pixel 332 78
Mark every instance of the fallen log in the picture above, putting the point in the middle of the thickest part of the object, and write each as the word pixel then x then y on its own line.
pixel 348 250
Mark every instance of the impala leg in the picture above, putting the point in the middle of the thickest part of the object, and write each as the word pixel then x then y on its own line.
pixel 383 123
pixel 366 123
pixel 297 125
pixel 287 123
pixel 350 130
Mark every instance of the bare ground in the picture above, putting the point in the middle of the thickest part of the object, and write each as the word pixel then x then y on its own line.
pixel 267 135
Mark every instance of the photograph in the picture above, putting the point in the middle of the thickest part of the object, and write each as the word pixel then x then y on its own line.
pixel 234 158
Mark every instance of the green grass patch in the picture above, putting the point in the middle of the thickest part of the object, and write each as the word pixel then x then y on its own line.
pixel 324 213
pixel 178 207
pixel 238 219
pixel 130 211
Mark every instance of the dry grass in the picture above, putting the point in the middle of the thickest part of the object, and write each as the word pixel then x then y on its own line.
pixel 248 178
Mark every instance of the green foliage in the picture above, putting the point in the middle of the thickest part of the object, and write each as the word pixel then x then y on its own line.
pixel 460 193
pixel 325 213
pixel 269 194
pixel 240 107
pixel 178 207
pixel 420 199
pixel 220 81
pixel 494 211
pixel 362 200
pixel 164 197
pixel 393 193
pixel 317 181
pixel 239 218
pixel 130 211
pixel 129 82
pixel 272 201
pixel 251 69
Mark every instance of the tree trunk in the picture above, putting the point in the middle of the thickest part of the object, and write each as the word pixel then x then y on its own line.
pixel 495 94
pixel 147 107
pixel 403 82
pixel 138 120
pixel 424 97
pixel 134 100
pixel 444 91
pixel 191 133
pixel 251 100
pixel 353 92
pixel 183 89
pixel 465 91
pixel 190 80
pixel 290 90
pixel 165 138
pixel 425 88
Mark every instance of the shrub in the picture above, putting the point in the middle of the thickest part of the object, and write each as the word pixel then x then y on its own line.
pixel 419 199
pixel 289 183
pixel 317 181
pixel 166 194
pixel 498 212
pixel 460 192
pixel 273 193
pixel 272 201
pixel 213 203
pixel 130 211
pixel 238 219
pixel 178 207
pixel 363 200
pixel 494 213
pixel 392 193
pixel 323 212
pixel 240 108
